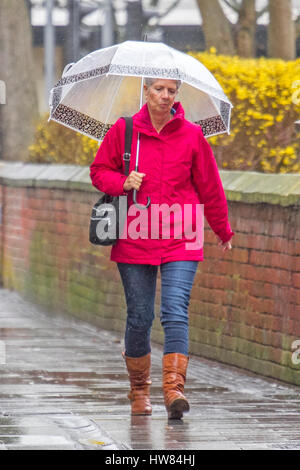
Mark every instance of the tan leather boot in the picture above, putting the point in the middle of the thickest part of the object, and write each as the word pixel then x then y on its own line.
pixel 139 376
pixel 174 374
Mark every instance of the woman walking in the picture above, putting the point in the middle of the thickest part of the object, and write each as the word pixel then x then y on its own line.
pixel 177 170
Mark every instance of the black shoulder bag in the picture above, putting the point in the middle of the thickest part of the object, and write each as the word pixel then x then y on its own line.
pixel 109 212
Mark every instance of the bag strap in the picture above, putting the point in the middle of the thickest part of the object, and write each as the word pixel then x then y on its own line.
pixel 128 141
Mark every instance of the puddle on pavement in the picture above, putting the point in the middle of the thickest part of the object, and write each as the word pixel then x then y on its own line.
pixel 86 379
pixel 294 397
pixel 197 389
pixel 37 440
pixel 29 332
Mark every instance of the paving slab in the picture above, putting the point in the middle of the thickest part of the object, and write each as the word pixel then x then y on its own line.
pixel 64 385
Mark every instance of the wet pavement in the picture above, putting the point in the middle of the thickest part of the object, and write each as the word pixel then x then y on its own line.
pixel 63 385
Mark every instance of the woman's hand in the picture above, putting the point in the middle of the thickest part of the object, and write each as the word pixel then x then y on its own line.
pixel 133 181
pixel 226 246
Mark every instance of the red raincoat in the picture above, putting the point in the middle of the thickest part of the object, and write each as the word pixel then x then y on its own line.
pixel 180 170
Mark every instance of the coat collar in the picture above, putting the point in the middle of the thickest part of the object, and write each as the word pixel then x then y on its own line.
pixel 143 124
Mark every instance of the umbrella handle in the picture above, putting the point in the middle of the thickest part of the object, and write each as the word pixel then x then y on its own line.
pixel 140 206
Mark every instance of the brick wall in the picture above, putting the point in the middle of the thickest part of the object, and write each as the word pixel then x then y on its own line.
pixel 245 303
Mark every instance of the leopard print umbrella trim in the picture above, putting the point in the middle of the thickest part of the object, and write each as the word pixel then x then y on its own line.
pixel 82 76
pixel 97 130
pixel 80 122
pixel 127 70
pixel 212 126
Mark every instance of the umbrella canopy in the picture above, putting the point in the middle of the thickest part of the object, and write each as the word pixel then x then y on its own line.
pixel 104 85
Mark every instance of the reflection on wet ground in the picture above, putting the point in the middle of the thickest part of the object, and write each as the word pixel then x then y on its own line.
pixel 64 386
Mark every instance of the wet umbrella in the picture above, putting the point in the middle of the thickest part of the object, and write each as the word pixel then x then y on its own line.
pixel 108 83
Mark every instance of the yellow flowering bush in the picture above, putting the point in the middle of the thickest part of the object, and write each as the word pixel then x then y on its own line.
pixel 54 143
pixel 265 95
pixel 266 98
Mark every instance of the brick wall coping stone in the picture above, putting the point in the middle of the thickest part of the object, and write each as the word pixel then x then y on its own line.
pixel 240 186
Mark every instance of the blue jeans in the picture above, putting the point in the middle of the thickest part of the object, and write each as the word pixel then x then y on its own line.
pixel 139 282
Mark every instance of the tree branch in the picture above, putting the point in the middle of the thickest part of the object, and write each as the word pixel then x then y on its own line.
pixel 233 4
pixel 262 12
pixel 174 5
pixel 161 15
pixel 217 28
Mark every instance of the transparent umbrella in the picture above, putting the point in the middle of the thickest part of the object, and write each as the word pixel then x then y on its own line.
pixel 107 84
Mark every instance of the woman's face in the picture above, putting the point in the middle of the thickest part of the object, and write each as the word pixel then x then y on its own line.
pixel 160 96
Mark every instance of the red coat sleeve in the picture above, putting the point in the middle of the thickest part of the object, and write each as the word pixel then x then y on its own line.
pixel 207 181
pixel 106 171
